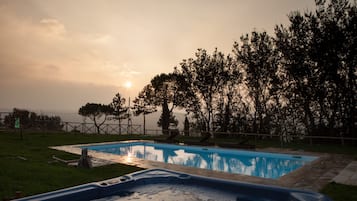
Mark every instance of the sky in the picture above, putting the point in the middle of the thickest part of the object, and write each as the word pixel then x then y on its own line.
pixel 57 55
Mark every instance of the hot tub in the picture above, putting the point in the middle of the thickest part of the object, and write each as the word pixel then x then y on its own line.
pixel 160 184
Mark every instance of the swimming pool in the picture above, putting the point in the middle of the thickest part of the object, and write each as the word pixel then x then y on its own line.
pixel 259 164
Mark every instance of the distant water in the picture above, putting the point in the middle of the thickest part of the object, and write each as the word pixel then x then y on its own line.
pixel 151 119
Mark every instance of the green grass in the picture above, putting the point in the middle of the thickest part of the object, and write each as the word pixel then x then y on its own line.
pixel 26 164
pixel 315 147
pixel 38 173
pixel 295 145
pixel 340 192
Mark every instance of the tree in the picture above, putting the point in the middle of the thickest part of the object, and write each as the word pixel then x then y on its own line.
pixel 256 54
pixel 301 81
pixel 336 43
pixel 205 76
pixel 230 102
pixel 318 55
pixel 295 45
pixel 23 115
pixel 167 91
pixel 164 120
pixel 186 128
pixel 95 112
pixel 142 104
pixel 120 111
pixel 31 120
pixel 170 121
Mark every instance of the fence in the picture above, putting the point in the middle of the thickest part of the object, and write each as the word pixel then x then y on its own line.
pixel 111 128
pixel 137 129
pixel 287 138
pixel 105 128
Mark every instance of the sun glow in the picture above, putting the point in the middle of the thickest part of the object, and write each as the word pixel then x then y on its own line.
pixel 128 84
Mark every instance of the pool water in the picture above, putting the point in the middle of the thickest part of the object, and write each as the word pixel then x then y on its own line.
pixel 165 191
pixel 252 163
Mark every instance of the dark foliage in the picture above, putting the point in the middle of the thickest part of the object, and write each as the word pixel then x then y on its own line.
pixel 98 113
pixel 120 111
pixel 142 104
pixel 302 81
pixel 31 120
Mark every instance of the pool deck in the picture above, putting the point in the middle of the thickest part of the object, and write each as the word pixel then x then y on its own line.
pixel 313 176
pixel 348 175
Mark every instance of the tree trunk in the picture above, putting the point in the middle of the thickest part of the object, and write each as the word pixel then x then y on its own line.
pixel 144 123
pixel 165 117
pixel 96 125
pixel 119 125
pixel 98 129
pixel 187 127
pixel 309 119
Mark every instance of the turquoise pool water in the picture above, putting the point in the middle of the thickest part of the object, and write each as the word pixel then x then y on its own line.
pixel 260 164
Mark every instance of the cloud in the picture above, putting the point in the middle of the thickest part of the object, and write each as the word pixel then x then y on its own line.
pixel 101 39
pixel 51 68
pixel 128 71
pixel 111 42
pixel 46 49
pixel 53 95
pixel 53 26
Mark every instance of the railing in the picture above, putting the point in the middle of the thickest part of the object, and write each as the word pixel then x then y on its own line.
pixel 286 138
pixel 112 128
pixel 104 129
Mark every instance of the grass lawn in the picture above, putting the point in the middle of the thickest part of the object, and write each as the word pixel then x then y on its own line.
pixel 26 164
pixel 340 192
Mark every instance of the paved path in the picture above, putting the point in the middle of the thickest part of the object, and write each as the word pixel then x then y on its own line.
pixel 348 175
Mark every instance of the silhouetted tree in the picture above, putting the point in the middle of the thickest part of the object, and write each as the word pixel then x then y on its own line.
pixel 335 42
pixel 167 93
pixel 230 102
pixel 142 104
pixel 302 81
pixel 30 120
pixel 186 128
pixel 205 77
pixel 318 55
pixel 256 54
pixel 172 121
pixel 164 120
pixel 120 111
pixel 95 112
pixel 23 115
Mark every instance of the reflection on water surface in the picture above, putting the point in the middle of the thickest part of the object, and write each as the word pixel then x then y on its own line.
pixel 231 161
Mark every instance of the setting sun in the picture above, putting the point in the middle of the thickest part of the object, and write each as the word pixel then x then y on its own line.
pixel 128 84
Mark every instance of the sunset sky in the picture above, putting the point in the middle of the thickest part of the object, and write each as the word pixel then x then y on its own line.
pixel 60 54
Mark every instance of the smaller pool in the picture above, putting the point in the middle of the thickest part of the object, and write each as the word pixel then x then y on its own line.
pixel 159 184
pixel 260 164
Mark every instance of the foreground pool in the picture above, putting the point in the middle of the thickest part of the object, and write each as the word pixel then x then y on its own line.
pixel 159 184
pixel 260 164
